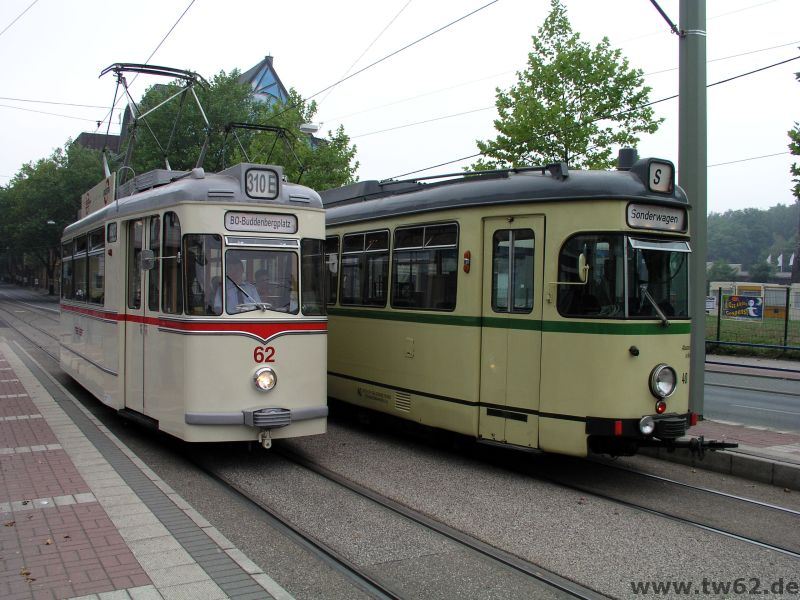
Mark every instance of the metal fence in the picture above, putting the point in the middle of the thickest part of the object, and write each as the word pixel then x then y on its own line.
pixel 765 318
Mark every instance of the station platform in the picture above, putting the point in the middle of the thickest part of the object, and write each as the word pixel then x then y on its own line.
pixel 82 517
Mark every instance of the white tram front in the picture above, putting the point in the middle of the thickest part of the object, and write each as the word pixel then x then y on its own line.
pixel 194 302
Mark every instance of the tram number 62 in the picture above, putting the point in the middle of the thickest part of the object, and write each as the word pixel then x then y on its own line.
pixel 264 354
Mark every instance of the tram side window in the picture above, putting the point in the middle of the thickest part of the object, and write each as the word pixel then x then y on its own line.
pixel 512 271
pixel 202 270
pixel 365 268
pixel 66 270
pixel 603 294
pixel 97 266
pixel 425 267
pixel 332 266
pixel 80 274
pixel 171 280
pixel 135 240
pixel 312 276
pixel 154 274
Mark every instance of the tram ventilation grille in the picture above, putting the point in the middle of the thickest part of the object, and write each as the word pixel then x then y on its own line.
pixel 148 180
pixel 268 418
pixel 402 401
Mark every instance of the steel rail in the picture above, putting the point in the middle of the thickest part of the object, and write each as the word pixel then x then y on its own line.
pixel 720 493
pixel 666 515
pixel 509 560
pixel 33 341
pixel 316 547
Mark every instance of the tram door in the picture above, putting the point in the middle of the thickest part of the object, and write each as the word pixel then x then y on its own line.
pixel 511 336
pixel 141 299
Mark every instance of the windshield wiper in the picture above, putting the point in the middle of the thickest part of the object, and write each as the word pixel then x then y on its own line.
pixel 643 291
pixel 253 302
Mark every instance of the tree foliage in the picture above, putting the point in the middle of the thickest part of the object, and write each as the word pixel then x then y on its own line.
pixel 573 103
pixel 319 164
pixel 175 132
pixel 720 271
pixel 43 198
pixel 749 236
pixel 794 148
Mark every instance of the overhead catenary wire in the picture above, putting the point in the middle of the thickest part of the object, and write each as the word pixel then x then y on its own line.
pixel 388 56
pixel 340 119
pixel 149 58
pixel 741 160
pixel 51 102
pixel 371 44
pixel 654 102
pixel 42 112
pixel 18 17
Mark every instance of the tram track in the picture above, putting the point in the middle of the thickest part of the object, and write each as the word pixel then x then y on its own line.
pixel 508 560
pixel 311 544
pixel 546 583
pixel 550 584
pixel 14 321
pixel 627 488
pixel 720 493
pixel 762 524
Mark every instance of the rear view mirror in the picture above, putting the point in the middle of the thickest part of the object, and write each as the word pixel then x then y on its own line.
pixel 147 259
pixel 583 268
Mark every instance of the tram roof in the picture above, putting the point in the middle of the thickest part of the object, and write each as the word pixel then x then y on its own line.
pixel 369 200
pixel 163 189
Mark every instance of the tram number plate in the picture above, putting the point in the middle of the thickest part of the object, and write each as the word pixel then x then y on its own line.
pixel 264 354
pixel 261 183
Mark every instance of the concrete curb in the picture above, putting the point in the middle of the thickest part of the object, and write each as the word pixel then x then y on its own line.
pixel 736 462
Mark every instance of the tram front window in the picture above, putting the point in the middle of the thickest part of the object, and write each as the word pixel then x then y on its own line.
pixel 259 280
pixel 627 277
pixel 658 276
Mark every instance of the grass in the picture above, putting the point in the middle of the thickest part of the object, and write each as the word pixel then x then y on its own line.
pixel 765 331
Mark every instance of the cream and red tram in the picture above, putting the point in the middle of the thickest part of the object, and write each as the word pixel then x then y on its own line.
pixel 194 302
pixel 538 308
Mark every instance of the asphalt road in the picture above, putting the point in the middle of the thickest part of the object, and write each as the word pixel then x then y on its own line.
pixel 754 401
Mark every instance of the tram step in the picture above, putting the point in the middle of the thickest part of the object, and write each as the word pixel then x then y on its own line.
pixel 138 417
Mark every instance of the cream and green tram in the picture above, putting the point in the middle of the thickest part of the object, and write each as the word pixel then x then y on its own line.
pixel 194 302
pixel 537 308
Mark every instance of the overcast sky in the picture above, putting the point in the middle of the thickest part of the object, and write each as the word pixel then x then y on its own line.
pixel 56 50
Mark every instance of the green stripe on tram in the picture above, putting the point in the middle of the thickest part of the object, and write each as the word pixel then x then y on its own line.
pixel 596 328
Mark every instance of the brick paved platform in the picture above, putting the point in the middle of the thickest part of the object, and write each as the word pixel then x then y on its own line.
pixel 82 517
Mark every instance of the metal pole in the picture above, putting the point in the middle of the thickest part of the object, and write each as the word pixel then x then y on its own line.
pixel 692 176
pixel 786 317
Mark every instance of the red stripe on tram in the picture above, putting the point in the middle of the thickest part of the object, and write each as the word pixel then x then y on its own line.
pixel 263 330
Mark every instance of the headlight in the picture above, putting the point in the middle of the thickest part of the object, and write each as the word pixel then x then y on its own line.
pixel 663 381
pixel 647 425
pixel 265 379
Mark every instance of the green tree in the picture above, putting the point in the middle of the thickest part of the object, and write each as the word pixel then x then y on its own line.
pixel 328 163
pixel 720 271
pixel 794 148
pixel 42 199
pixel 761 272
pixel 318 163
pixel 175 131
pixel 571 104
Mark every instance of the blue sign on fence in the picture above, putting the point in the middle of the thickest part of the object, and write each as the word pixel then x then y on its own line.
pixel 743 307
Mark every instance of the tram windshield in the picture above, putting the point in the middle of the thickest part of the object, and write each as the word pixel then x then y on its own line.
pixel 628 277
pixel 259 279
pixel 258 275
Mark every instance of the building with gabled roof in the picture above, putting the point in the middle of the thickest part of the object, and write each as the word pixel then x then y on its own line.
pixel 265 83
